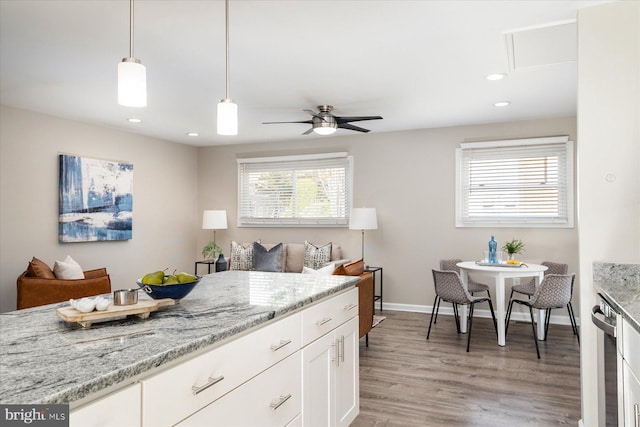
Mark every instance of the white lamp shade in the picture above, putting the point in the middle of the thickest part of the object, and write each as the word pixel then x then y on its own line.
pixel 132 83
pixel 363 219
pixel 227 117
pixel 214 220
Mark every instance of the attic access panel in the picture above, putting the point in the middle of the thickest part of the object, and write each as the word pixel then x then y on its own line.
pixel 544 45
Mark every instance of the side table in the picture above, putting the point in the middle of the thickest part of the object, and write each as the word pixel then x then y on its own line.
pixel 208 263
pixel 376 297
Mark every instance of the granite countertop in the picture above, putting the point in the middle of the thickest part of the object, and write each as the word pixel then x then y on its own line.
pixel 45 360
pixel 620 285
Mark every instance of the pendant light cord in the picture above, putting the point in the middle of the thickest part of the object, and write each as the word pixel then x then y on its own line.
pixel 131 29
pixel 226 7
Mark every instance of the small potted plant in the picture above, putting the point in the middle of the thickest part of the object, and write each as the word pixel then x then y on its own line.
pixel 513 247
pixel 211 251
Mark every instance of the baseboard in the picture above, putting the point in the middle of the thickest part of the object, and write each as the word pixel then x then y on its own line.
pixel 446 309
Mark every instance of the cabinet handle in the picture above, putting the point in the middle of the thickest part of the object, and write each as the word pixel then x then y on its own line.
pixel 210 382
pixel 323 321
pixel 336 350
pixel 280 401
pixel 341 354
pixel 350 307
pixel 636 409
pixel 279 346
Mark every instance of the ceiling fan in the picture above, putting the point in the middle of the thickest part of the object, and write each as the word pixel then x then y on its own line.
pixel 325 123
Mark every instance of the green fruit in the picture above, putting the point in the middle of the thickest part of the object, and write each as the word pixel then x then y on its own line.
pixel 154 278
pixel 171 280
pixel 186 277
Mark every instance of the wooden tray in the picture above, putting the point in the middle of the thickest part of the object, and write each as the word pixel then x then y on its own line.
pixel 486 264
pixel 141 309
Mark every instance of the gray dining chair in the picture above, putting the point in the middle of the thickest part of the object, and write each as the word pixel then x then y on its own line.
pixel 449 288
pixel 554 292
pixel 529 289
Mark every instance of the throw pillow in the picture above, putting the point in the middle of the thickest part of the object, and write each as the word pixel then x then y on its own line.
pixel 327 270
pixel 68 269
pixel 316 256
pixel 267 260
pixel 38 268
pixel 241 256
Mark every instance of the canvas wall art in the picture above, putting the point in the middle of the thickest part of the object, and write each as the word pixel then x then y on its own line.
pixel 96 199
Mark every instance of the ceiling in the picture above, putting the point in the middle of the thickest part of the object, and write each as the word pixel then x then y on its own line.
pixel 419 64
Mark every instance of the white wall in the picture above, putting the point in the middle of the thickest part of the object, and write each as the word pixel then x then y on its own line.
pixel 165 187
pixel 609 144
pixel 409 177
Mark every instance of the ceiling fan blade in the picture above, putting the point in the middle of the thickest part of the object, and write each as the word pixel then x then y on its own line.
pixel 309 122
pixel 314 114
pixel 308 132
pixel 352 127
pixel 356 118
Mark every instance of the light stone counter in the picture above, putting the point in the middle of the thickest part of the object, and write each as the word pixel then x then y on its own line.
pixel 620 284
pixel 45 360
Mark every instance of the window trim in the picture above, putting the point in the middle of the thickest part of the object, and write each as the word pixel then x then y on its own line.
pixel 512 222
pixel 298 222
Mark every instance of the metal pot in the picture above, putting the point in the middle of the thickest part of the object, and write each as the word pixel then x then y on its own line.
pixel 125 297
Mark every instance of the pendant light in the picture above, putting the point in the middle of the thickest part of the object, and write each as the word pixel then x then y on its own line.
pixel 227 109
pixel 132 75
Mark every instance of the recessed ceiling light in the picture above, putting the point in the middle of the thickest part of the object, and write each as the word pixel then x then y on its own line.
pixel 502 103
pixel 498 76
pixel 134 120
pixel 192 133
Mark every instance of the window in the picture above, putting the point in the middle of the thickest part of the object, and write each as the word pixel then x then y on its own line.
pixel 516 183
pixel 312 190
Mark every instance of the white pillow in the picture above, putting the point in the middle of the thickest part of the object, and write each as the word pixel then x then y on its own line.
pixel 68 269
pixel 327 270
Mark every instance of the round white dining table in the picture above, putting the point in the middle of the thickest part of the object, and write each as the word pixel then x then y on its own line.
pixel 499 274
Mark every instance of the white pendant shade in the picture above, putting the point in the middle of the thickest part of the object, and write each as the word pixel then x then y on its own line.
pixel 132 83
pixel 227 117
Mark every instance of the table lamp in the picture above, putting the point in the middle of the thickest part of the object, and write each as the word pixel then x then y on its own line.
pixel 363 219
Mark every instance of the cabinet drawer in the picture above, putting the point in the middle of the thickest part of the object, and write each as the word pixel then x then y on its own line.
pixel 327 315
pixel 631 346
pixel 176 393
pixel 273 398
pixel 121 408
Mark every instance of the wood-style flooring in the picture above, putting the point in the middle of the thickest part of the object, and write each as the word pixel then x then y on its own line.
pixel 408 381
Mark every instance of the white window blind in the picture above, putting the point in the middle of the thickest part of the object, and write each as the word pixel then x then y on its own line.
pixel 295 190
pixel 517 183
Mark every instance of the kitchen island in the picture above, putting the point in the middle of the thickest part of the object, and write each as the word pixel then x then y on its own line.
pixel 45 360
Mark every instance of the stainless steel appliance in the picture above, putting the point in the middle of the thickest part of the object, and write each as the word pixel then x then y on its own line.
pixel 605 317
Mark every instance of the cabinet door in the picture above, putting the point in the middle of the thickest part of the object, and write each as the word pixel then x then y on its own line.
pixel 121 408
pixel 347 378
pixel 631 397
pixel 318 359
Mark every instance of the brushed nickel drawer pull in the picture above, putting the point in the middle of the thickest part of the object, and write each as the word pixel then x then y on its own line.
pixel 341 354
pixel 636 410
pixel 323 321
pixel 336 350
pixel 350 307
pixel 280 401
pixel 210 382
pixel 279 346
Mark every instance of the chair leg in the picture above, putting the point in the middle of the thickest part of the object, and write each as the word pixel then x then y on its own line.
pixel 533 327
pixel 455 315
pixel 434 310
pixel 488 294
pixel 470 324
pixel 506 322
pixel 572 317
pixel 437 308
pixel 547 318
pixel 493 315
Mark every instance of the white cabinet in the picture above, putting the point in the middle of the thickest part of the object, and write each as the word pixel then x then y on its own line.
pixel 331 395
pixel 121 408
pixel 630 375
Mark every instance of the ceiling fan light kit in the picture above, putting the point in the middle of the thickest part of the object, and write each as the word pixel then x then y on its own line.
pixel 325 123
pixel 132 75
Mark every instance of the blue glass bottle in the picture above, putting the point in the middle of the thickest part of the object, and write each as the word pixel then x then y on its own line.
pixel 493 258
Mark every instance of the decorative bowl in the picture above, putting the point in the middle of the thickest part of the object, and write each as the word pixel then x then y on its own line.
pixel 175 291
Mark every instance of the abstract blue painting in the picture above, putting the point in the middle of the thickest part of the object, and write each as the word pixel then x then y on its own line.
pixel 96 199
